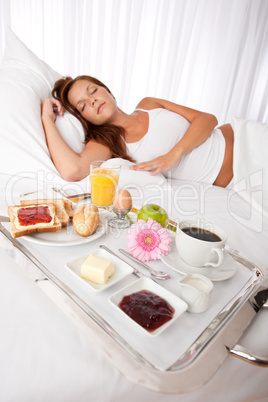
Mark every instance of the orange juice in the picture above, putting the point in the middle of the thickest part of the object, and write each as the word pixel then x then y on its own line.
pixel 103 185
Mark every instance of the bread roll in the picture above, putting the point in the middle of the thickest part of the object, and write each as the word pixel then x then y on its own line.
pixel 86 219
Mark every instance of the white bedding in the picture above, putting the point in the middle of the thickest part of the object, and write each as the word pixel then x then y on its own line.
pixel 251 163
pixel 25 81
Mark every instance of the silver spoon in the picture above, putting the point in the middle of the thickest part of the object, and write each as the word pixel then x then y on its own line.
pixel 153 272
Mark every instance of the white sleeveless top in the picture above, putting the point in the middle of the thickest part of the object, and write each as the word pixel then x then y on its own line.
pixel 165 129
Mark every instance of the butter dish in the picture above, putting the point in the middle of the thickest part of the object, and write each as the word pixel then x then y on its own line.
pixel 121 269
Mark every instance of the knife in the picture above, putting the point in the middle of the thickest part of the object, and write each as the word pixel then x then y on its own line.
pixel 71 197
pixel 83 196
pixel 4 218
pixel 62 192
pixel 136 271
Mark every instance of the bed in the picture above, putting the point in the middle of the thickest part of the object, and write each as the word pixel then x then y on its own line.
pixel 50 349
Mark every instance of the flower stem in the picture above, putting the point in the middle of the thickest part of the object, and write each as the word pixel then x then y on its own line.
pixel 130 220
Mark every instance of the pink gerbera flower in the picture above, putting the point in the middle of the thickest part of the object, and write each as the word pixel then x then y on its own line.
pixel 148 240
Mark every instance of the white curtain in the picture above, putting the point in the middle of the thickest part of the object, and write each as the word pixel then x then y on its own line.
pixel 211 55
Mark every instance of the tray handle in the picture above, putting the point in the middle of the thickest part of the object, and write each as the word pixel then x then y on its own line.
pixel 248 356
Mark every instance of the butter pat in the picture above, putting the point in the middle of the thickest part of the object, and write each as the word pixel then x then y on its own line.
pixel 97 269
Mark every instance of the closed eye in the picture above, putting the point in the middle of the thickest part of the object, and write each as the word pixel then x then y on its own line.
pixel 81 107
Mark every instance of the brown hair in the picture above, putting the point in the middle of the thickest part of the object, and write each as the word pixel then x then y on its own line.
pixel 109 135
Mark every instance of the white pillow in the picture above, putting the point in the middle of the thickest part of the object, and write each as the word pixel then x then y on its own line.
pixel 25 81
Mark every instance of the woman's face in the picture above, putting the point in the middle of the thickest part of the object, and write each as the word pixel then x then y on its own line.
pixel 92 101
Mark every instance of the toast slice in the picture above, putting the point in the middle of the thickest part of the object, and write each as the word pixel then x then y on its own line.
pixel 68 205
pixel 63 207
pixel 32 219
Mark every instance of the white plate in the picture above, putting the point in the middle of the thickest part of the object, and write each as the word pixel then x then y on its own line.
pixel 121 269
pixel 67 235
pixel 225 271
pixel 148 284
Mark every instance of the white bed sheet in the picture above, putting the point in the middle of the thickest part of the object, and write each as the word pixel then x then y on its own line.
pixel 49 358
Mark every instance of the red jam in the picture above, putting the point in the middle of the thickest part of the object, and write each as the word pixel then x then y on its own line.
pixel 147 309
pixel 32 215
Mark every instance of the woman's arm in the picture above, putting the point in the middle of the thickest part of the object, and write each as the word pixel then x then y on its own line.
pixel 200 129
pixel 71 166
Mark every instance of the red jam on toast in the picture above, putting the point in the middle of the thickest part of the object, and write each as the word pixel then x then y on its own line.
pixel 34 215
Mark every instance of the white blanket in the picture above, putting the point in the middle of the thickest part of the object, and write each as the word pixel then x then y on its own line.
pixel 133 178
pixel 251 163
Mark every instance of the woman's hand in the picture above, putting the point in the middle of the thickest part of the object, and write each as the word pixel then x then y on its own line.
pixel 160 164
pixel 51 108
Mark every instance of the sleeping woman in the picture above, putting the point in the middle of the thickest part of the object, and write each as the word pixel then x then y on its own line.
pixel 159 136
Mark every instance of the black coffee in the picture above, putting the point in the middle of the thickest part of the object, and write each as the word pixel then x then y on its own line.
pixel 201 234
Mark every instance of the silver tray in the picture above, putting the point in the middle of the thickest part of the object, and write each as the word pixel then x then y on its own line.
pixel 197 365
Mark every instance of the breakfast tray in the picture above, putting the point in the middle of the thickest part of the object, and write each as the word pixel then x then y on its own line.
pixel 194 367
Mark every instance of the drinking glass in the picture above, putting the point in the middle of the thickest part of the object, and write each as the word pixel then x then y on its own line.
pixel 104 180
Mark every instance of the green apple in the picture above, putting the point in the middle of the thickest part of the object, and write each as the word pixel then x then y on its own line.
pixel 155 212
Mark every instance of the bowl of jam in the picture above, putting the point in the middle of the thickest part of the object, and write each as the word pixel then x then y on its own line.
pixel 148 306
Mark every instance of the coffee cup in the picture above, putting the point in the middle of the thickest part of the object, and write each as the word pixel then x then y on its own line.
pixel 195 290
pixel 200 243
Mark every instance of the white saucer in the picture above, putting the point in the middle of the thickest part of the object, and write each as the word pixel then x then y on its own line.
pixel 225 271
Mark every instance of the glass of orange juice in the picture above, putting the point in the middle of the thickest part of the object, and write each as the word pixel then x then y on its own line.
pixel 104 180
